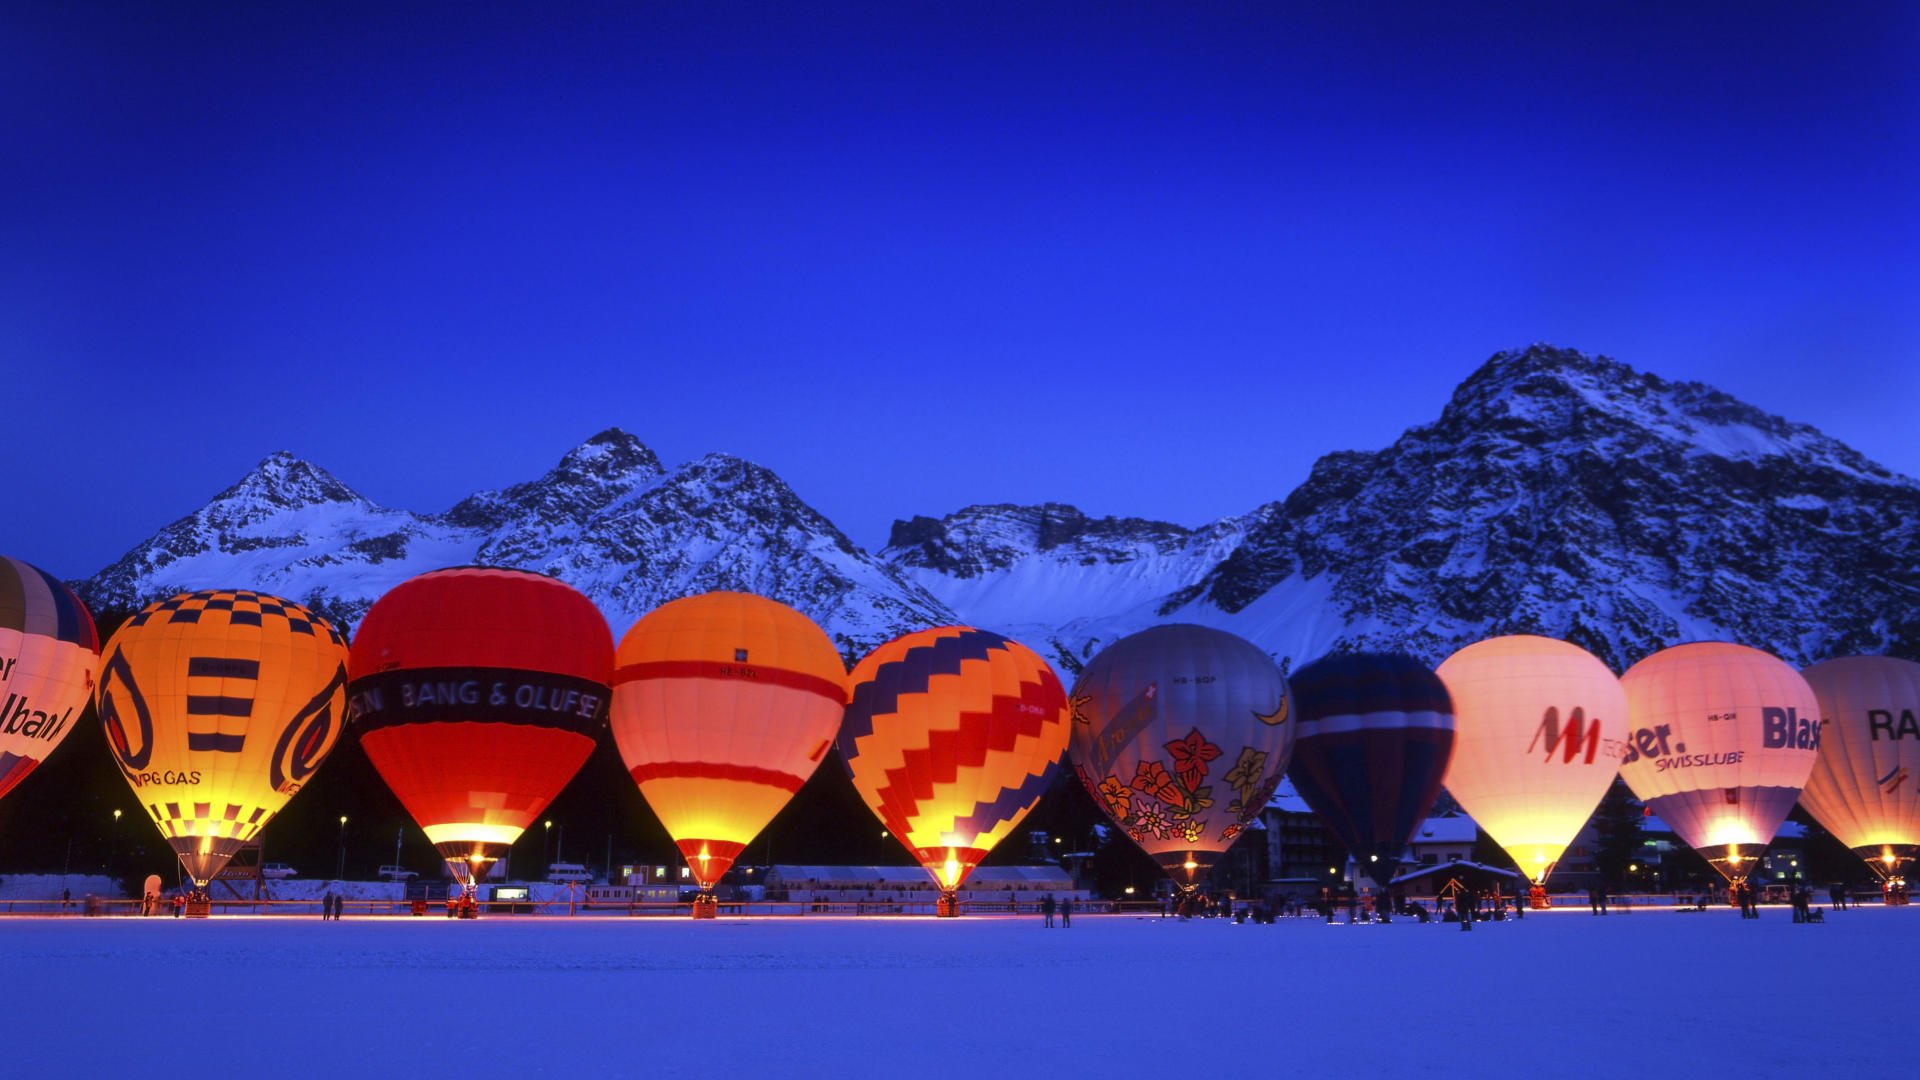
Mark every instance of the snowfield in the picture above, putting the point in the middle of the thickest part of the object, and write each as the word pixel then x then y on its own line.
pixel 1641 994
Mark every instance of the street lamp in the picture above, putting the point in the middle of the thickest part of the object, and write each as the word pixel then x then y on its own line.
pixel 113 850
pixel 340 869
pixel 546 846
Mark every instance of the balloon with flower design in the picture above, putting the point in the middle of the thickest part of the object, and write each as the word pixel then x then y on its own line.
pixel 1181 734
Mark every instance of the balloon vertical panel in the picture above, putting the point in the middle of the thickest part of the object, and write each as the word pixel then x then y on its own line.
pixel 724 704
pixel 49 655
pixel 218 706
pixel 1723 739
pixel 1864 788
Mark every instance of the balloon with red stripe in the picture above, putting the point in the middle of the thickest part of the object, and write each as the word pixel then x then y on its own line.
pixel 723 706
pixel 478 694
pixel 951 737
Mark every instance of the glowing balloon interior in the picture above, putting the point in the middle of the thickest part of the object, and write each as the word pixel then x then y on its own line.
pixel 723 706
pixel 1181 734
pixel 1539 729
pixel 49 656
pixel 1723 738
pixel 218 706
pixel 951 736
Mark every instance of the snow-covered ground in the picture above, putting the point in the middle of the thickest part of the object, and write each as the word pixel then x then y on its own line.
pixel 1647 994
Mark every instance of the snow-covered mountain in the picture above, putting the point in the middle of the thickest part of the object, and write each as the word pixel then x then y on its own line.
pixel 607 519
pixel 1557 493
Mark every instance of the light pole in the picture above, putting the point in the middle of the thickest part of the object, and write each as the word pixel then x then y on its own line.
pixel 113 850
pixel 340 868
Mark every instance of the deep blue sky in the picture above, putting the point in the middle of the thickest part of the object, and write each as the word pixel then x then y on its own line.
pixel 1149 259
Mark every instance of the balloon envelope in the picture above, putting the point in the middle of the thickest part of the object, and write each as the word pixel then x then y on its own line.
pixel 1864 787
pixel 218 706
pixel 49 656
pixel 1376 732
pixel 1723 738
pixel 1539 728
pixel 723 705
pixel 1181 734
pixel 478 694
pixel 951 735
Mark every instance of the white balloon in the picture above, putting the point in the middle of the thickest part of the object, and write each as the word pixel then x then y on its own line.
pixel 1865 787
pixel 1723 739
pixel 1539 729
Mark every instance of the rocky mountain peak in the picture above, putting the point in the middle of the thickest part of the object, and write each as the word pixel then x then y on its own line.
pixel 588 478
pixel 282 480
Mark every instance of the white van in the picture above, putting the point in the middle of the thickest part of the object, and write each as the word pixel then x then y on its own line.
pixel 397 873
pixel 568 872
pixel 278 870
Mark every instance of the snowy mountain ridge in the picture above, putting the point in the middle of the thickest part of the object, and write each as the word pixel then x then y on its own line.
pixel 1556 493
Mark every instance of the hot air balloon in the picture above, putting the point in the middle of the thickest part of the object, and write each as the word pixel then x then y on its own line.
pixel 723 706
pixel 218 706
pixel 1863 787
pixel 1181 734
pixel 1539 728
pixel 1723 738
pixel 951 735
pixel 1376 733
pixel 48 658
pixel 478 694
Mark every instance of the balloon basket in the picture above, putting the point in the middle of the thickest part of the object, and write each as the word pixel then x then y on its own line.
pixel 947 907
pixel 199 909
pixel 1537 898
pixel 706 906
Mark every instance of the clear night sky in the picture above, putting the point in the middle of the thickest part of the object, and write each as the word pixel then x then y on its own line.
pixel 1148 259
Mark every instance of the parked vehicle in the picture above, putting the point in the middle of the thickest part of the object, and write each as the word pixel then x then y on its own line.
pixel 278 870
pixel 568 873
pixel 397 873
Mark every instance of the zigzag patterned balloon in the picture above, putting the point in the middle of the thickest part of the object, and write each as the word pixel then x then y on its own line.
pixel 951 737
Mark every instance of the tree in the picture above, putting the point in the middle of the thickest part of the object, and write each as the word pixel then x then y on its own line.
pixel 1620 832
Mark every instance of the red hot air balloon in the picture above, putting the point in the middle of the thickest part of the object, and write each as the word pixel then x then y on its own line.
pixel 478 694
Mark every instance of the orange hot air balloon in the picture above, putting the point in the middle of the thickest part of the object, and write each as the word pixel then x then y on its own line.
pixel 218 706
pixel 723 706
pixel 951 736
pixel 478 694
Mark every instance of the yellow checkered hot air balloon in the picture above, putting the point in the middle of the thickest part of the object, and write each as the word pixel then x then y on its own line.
pixel 951 736
pixel 723 705
pixel 218 705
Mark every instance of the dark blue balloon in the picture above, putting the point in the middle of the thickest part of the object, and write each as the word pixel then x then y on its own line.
pixel 1375 735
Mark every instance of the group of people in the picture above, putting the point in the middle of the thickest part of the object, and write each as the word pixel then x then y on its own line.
pixel 332 906
pixel 1065 906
